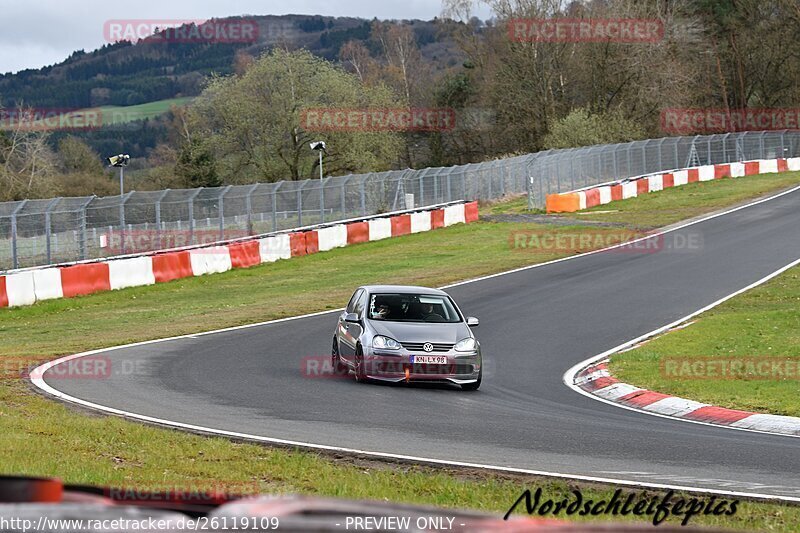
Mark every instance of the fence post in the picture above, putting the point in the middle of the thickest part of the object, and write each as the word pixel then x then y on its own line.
pixel 158 218
pixel 345 181
pixel 275 206
pixel 248 202
pixel 47 228
pixel 82 248
pixel 14 253
pixel 191 213
pixel 221 211
pixel 364 194
pixel 300 204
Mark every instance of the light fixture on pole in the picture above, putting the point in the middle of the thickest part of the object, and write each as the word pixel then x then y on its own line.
pixel 319 146
pixel 120 161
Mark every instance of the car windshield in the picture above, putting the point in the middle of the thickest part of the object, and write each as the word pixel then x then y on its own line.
pixel 412 308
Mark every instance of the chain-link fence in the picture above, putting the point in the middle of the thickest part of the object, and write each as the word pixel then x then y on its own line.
pixel 41 232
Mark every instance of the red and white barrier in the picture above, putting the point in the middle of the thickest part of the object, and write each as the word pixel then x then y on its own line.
pixel 134 272
pixel 30 286
pixel 454 214
pixel 380 228
pixel 633 187
pixel 214 260
pixel 332 237
pixel 20 289
pixel 421 222
pixel 274 248
pixel 47 284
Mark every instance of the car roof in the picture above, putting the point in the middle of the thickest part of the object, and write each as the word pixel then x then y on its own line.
pixel 402 289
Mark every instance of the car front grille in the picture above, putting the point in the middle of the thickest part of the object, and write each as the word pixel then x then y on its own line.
pixel 417 347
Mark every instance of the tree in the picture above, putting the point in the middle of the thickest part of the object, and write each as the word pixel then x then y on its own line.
pixel 77 156
pixel 252 124
pixel 582 128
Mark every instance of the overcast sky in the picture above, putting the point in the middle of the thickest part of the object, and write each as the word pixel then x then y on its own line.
pixel 36 33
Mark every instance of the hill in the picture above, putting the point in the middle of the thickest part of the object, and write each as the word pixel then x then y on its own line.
pixel 157 68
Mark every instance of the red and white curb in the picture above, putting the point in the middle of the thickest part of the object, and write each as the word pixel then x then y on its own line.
pixel 597 380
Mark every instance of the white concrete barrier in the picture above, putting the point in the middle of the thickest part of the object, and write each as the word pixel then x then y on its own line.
pixel 380 228
pixel 134 272
pixel 20 289
pixel 332 237
pixel 274 248
pixel 47 284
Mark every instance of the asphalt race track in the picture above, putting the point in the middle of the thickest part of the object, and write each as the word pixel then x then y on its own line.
pixel 535 324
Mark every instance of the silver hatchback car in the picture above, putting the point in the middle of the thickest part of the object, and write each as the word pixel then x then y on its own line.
pixel 401 333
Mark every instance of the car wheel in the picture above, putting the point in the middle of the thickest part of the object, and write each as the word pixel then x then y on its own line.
pixel 473 386
pixel 361 372
pixel 339 369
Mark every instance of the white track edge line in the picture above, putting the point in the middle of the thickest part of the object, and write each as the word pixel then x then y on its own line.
pixel 39 382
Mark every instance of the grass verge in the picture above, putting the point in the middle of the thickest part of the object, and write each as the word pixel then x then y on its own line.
pixel 109 451
pixel 759 329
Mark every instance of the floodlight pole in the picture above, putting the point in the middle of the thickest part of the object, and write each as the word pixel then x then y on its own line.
pixel 320 164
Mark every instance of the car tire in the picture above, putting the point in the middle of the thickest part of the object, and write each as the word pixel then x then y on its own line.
pixel 361 373
pixel 339 368
pixel 473 386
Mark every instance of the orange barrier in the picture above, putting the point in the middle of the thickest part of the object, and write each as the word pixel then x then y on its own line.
pixel 401 225
pixel 245 254
pixel 312 242
pixel 3 294
pixel 616 193
pixel 592 197
pixel 172 266
pixel 642 186
pixel 693 175
pixel 437 218
pixel 471 212
pixel 563 203
pixel 357 232
pixel 669 180
pixel 722 171
pixel 752 168
pixel 79 280
pixel 783 165
pixel 297 242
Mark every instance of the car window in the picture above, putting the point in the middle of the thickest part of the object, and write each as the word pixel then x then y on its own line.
pixel 412 308
pixel 353 300
pixel 360 303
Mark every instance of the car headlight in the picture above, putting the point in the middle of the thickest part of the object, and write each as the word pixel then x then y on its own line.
pixel 385 343
pixel 466 345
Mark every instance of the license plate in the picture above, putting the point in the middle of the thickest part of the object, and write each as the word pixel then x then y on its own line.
pixel 428 359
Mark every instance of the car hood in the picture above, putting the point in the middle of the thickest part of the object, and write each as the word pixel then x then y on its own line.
pixel 422 331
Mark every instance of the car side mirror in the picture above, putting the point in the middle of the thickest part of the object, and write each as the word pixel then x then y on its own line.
pixel 352 317
pixel 473 322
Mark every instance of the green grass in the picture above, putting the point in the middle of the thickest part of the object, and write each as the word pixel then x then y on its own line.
pixel 761 324
pixel 109 451
pixel 124 114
